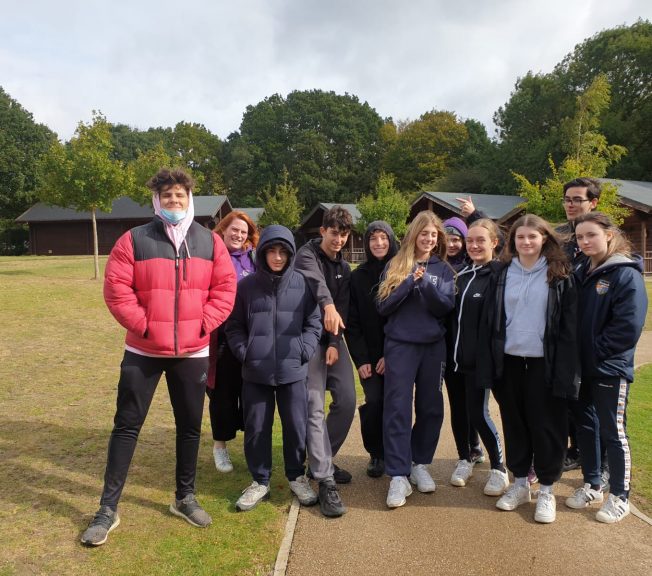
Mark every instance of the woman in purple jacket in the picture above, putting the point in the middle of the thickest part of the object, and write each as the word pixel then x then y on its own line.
pixel 224 389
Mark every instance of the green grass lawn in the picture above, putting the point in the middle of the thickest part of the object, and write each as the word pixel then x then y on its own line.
pixel 639 410
pixel 60 352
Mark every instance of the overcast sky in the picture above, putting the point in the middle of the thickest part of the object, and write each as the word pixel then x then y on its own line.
pixel 157 62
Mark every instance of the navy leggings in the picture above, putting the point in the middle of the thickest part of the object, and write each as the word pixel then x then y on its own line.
pixel 139 377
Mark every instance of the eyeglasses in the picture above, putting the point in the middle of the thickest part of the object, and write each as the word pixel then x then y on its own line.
pixel 575 201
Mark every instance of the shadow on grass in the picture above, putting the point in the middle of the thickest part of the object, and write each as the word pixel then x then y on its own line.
pixel 43 462
pixel 16 273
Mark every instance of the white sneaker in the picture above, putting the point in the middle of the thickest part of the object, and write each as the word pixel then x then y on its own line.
pixel 514 497
pixel 613 510
pixel 497 483
pixel 422 479
pixel 399 490
pixel 303 491
pixel 546 510
pixel 251 496
pixel 584 496
pixel 463 471
pixel 222 460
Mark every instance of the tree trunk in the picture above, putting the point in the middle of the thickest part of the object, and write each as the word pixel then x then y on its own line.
pixel 96 258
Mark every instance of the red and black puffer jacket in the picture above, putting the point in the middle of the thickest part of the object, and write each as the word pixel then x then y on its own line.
pixel 169 304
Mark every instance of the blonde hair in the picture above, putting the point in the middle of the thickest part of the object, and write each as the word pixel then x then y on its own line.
pixel 491 227
pixel 402 264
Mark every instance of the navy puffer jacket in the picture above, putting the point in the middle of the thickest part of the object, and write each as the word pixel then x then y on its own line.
pixel 613 306
pixel 275 324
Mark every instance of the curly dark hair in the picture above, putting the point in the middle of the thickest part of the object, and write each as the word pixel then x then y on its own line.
pixel 338 217
pixel 166 178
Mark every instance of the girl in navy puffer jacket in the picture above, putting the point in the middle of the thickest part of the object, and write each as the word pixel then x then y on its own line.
pixel 274 330
pixel 612 309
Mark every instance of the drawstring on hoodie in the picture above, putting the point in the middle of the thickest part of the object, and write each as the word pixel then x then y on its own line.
pixel 473 270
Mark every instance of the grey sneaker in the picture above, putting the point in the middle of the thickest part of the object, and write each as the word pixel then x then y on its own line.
pixel 546 510
pixel 584 496
pixel 399 490
pixel 189 509
pixel 222 460
pixel 613 510
pixel 251 496
pixel 422 478
pixel 302 489
pixel 514 497
pixel 462 473
pixel 98 530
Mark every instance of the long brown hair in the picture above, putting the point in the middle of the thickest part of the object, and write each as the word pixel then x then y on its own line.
pixel 558 266
pixel 618 243
pixel 402 264
pixel 252 229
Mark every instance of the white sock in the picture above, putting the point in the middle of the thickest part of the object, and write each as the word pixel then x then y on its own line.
pixel 545 489
pixel 522 482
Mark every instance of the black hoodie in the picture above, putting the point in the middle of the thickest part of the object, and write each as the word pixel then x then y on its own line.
pixel 365 328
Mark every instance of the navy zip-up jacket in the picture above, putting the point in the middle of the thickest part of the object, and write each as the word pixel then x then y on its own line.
pixel 275 325
pixel 416 310
pixel 474 289
pixel 612 306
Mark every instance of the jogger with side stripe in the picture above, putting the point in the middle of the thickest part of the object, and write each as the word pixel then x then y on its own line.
pixel 612 309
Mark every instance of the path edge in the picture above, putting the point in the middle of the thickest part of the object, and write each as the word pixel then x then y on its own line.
pixel 283 555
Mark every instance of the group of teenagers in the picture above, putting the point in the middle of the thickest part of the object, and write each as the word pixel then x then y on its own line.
pixel 545 320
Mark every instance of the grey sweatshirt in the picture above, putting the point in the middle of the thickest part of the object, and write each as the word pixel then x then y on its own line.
pixel 526 302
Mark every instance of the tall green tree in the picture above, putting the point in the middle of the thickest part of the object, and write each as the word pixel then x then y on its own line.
pixel 386 204
pixel 281 206
pixel 329 143
pixel 588 154
pixel 83 176
pixel 22 141
pixel 529 123
pixel 426 149
pixel 143 168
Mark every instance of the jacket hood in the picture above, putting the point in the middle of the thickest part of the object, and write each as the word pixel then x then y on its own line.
pixel 635 261
pixel 489 267
pixel 382 226
pixel 275 234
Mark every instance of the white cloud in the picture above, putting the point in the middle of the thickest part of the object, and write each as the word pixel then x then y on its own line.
pixel 150 63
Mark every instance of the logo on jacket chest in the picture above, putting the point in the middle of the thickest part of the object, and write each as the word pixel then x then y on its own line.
pixel 602 287
pixel 434 280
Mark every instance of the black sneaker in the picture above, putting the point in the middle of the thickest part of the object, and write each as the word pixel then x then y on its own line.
pixel 330 502
pixel 341 476
pixel 189 509
pixel 571 463
pixel 376 467
pixel 476 455
pixel 103 522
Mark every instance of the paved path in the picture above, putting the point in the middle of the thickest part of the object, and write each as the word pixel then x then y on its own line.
pixel 458 531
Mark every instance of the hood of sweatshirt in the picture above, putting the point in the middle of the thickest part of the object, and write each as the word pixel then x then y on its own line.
pixel 271 235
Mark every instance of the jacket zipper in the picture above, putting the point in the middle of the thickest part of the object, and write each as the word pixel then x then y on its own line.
pixel 176 304
pixel 275 290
